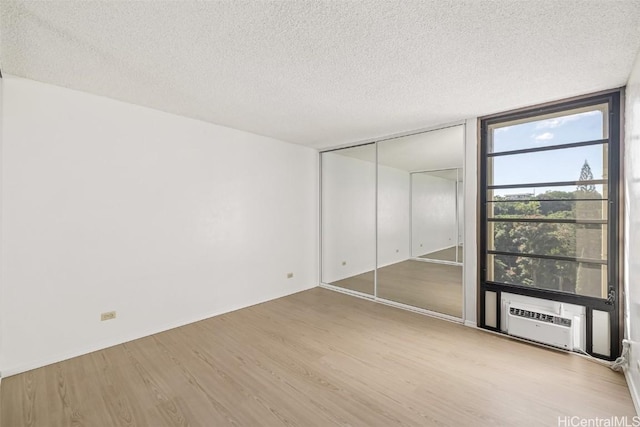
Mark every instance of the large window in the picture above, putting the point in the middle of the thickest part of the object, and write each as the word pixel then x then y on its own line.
pixel 549 181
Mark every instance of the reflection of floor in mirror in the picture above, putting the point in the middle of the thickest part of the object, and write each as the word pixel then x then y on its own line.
pixel 428 285
pixel 361 283
pixel 448 254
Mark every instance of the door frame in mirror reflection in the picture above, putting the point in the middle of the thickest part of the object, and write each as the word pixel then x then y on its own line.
pixel 391 153
pixel 432 220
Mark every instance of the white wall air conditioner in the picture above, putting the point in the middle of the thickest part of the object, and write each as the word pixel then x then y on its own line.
pixel 529 322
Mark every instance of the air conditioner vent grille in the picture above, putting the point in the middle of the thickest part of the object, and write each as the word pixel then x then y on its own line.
pixel 542 317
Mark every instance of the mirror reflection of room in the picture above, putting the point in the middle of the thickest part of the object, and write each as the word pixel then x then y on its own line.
pixel 392 220
pixel 419 220
pixel 436 234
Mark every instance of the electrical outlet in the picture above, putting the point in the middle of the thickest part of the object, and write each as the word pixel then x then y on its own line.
pixel 108 315
pixel 344 262
pixel 420 244
pixel 289 275
pixel 397 250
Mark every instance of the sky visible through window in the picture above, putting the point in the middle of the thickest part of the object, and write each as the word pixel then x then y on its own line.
pixel 547 166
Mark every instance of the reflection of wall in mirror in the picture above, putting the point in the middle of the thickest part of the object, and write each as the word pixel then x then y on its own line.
pixel 393 216
pixel 348 216
pixel 433 207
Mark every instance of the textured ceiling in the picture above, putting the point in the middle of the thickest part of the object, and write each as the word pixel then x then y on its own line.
pixel 324 73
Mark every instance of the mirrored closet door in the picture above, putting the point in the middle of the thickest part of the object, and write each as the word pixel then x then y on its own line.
pixel 391 220
pixel 348 218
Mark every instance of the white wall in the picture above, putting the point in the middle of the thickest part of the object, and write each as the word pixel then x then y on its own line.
pixel 111 206
pixel 632 228
pixel 348 216
pixel 433 214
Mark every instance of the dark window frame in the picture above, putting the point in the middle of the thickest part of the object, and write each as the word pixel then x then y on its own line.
pixel 614 248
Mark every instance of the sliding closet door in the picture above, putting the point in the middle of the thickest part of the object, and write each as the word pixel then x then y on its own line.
pixel 348 218
pixel 418 233
pixel 379 205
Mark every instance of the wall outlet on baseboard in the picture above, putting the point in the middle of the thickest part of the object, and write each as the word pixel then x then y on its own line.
pixel 344 262
pixel 289 275
pixel 108 315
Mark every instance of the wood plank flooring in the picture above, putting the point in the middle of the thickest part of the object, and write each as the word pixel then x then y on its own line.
pixel 316 358
pixel 428 285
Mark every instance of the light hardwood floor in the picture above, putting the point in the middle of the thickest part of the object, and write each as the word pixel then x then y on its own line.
pixel 316 358
pixel 428 285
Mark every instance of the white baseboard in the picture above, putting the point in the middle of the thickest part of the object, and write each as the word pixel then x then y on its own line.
pixel 470 324
pixel 634 389
pixel 51 359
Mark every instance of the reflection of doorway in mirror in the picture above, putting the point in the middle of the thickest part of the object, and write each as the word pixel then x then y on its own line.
pixel 436 215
